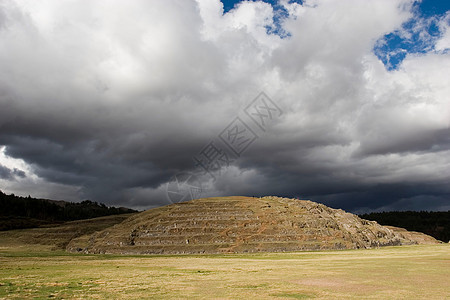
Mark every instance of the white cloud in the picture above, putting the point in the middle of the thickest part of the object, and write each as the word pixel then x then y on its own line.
pixel 443 43
pixel 105 93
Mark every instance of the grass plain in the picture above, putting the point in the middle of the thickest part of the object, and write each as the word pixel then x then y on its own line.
pixel 402 272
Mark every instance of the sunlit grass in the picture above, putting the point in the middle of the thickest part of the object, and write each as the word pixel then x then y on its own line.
pixel 387 273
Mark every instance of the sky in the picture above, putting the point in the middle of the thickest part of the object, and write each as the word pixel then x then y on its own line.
pixel 343 102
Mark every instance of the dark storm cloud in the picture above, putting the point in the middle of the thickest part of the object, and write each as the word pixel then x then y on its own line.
pixel 5 172
pixel 109 106
pixel 104 163
pixel 8 174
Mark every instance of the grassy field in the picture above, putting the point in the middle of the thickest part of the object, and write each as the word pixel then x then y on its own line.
pixel 404 272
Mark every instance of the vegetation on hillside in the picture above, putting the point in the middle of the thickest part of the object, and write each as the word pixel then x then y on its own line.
pixel 436 224
pixel 25 212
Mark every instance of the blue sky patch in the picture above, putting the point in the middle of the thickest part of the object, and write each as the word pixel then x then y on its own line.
pixel 428 8
pixel 417 36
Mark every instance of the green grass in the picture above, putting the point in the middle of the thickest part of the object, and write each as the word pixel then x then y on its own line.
pixel 406 272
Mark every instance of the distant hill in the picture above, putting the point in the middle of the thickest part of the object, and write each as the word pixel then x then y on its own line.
pixel 435 224
pixel 242 224
pixel 57 236
pixel 27 212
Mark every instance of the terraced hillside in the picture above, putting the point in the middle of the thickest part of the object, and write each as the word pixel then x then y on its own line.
pixel 236 225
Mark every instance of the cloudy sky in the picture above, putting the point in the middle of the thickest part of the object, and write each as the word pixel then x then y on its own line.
pixel 115 100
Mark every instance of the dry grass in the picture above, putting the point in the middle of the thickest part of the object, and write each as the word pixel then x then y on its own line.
pixel 406 272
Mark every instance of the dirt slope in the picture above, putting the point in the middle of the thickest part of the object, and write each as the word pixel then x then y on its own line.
pixel 239 224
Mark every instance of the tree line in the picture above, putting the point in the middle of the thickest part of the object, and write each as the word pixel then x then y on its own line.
pixel 23 212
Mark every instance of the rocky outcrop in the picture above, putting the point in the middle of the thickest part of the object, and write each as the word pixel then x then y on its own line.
pixel 237 225
pixel 417 237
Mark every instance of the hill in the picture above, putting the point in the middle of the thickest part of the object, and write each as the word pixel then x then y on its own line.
pixel 27 212
pixel 240 224
pixel 57 236
pixel 435 224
